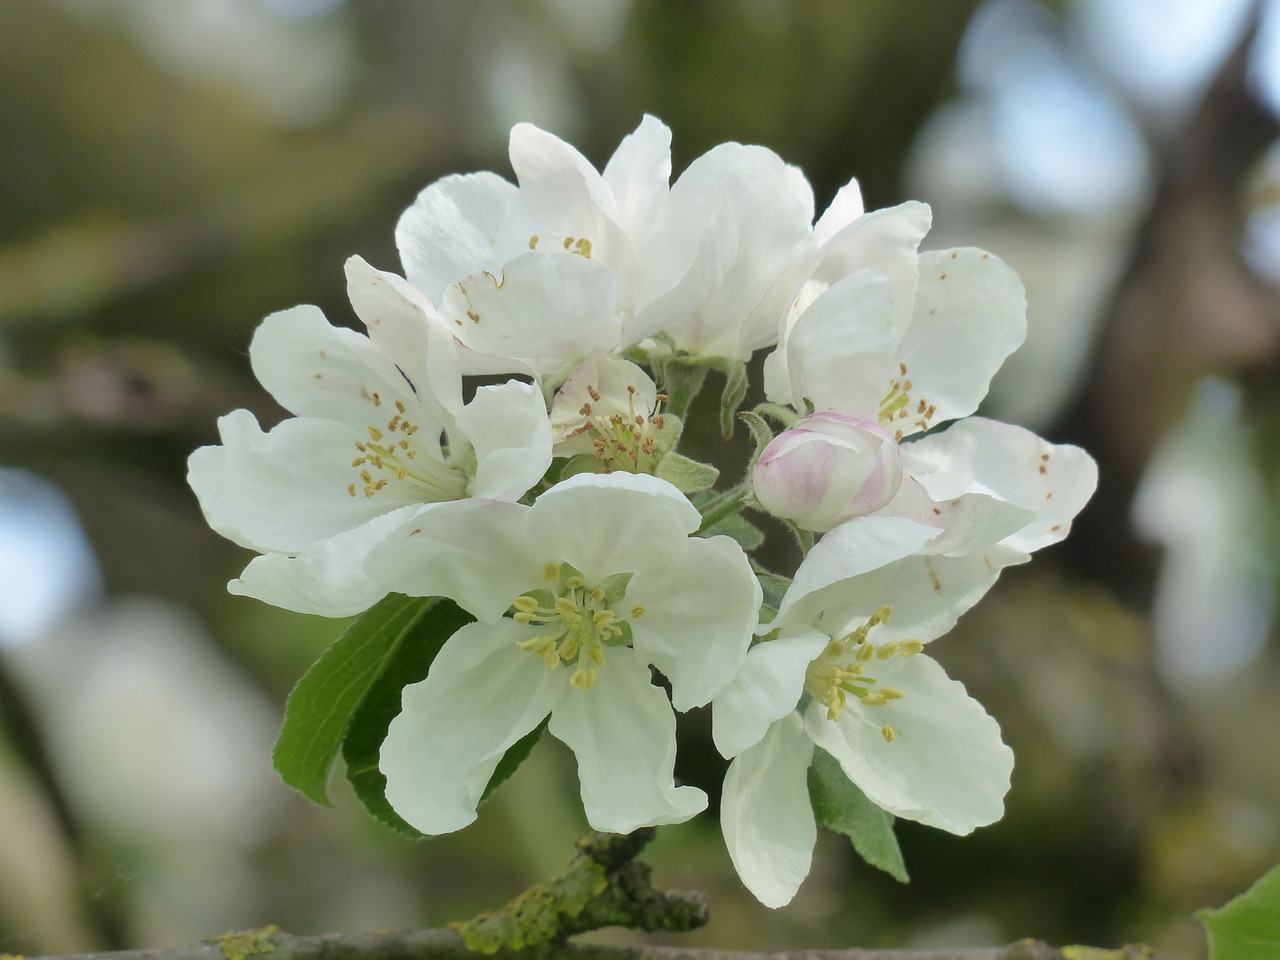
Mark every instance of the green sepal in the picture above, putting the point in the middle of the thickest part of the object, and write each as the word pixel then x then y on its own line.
pixel 582 463
pixel 776 411
pixel 681 381
pixel 761 435
pixel 320 709
pixel 736 527
pixel 407 662
pixel 1247 928
pixel 685 474
pixel 734 392
pixel 665 440
pixel 839 805
pixel 804 538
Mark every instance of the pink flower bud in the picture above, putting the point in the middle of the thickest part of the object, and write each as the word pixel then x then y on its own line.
pixel 826 469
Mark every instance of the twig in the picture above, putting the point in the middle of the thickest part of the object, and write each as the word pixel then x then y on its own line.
pixel 440 944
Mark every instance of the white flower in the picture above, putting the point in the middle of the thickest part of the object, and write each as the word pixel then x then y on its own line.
pixel 364 451
pixel 825 469
pixel 609 408
pixel 850 351
pixel 910 738
pixel 601 579
pixel 691 262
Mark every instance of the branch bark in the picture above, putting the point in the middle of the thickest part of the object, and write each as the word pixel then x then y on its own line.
pixel 440 944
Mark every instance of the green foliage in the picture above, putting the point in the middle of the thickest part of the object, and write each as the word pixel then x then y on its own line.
pixel 1247 928
pixel 320 708
pixel 517 754
pixel 407 661
pixel 736 527
pixel 840 806
pixel 685 474
pixel 349 697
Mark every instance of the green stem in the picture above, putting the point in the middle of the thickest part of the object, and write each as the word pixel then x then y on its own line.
pixel 723 505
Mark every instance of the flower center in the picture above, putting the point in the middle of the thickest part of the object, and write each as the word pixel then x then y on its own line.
pixel 840 671
pixel 896 406
pixel 624 441
pixel 391 455
pixel 580 619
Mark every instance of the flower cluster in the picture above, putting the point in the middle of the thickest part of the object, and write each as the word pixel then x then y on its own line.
pixel 554 506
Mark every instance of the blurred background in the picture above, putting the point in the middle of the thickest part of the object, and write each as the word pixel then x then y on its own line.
pixel 173 170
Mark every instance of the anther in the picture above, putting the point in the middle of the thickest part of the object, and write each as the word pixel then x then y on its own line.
pixel 887 732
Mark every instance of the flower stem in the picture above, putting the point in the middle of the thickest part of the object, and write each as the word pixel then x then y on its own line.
pixel 723 505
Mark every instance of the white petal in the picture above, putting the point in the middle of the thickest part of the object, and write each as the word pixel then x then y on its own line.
pixel 946 767
pixel 638 175
pixel 328 579
pixel 317 370
pixel 547 310
pixel 282 491
pixel 970 313
pixel 772 211
pixel 562 190
pixel 840 350
pixel 765 814
pixel 461 225
pixel 622 731
pixel 510 432
pixel 481 696
pixel 885 240
pixel 968 523
pixel 699 614
pixel 473 551
pixel 928 593
pixel 976 455
pixel 845 208
pixel 852 550
pixel 767 688
pixel 608 524
pixel 405 327
pixel 682 264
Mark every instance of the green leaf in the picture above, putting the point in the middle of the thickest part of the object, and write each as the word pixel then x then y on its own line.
pixel 686 475
pixel 320 708
pixel 516 754
pixel 736 527
pixel 408 662
pixel 1247 928
pixel 774 585
pixel 840 806
pixel 735 390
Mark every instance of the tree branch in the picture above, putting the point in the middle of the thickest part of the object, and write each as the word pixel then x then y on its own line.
pixel 438 944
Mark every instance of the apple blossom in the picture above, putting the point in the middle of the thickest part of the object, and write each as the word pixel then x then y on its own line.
pixel 691 261
pixel 363 453
pixel 825 469
pixel 600 579
pixel 911 739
